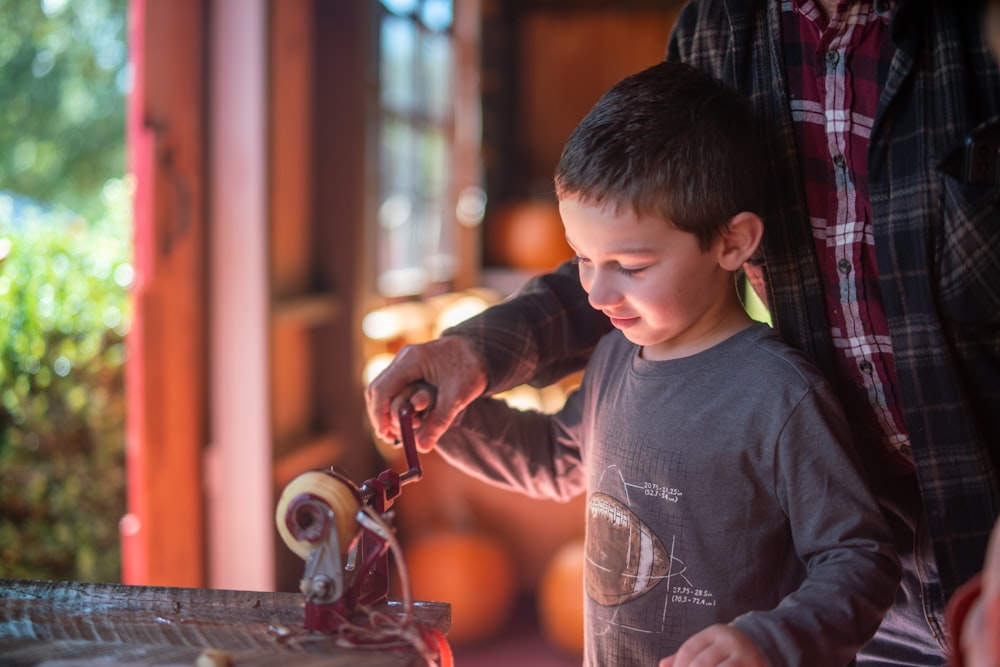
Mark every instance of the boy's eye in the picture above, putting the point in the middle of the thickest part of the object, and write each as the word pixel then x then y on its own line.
pixel 623 270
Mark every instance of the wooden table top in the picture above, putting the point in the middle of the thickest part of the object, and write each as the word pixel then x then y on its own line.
pixel 70 624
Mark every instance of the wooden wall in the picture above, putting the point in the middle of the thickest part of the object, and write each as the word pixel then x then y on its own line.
pixel 544 66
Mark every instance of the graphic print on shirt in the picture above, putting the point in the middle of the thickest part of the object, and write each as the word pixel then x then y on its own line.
pixel 626 560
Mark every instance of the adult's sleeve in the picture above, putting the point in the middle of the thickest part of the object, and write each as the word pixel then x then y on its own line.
pixel 544 332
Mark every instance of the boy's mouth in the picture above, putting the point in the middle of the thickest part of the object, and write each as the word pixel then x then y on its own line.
pixel 623 322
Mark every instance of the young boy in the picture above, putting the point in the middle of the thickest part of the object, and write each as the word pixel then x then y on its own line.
pixel 727 517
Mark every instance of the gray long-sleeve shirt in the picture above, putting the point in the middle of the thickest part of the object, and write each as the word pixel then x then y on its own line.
pixel 722 488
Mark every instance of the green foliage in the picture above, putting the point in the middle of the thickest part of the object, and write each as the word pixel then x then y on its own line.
pixel 63 78
pixel 63 287
pixel 63 314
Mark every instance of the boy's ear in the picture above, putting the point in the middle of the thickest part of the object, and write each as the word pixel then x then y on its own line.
pixel 739 240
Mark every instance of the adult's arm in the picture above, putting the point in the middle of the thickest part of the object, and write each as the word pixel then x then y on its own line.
pixel 541 334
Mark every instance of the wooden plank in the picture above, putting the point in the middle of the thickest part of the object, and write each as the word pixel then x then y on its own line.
pixel 467 146
pixel 166 387
pixel 291 179
pixel 343 257
pixel 64 623
pixel 238 463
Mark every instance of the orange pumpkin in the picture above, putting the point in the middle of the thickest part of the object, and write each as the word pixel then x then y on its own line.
pixel 473 572
pixel 527 235
pixel 560 598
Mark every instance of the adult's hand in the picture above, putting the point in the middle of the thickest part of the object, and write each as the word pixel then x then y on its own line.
pixel 450 364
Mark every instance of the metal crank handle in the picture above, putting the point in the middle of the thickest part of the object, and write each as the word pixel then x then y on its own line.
pixel 414 471
pixel 406 413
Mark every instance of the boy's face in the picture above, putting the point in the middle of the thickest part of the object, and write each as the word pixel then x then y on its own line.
pixel 651 279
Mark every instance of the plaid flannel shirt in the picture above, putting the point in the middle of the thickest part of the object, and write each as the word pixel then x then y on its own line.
pixel 835 69
pixel 937 241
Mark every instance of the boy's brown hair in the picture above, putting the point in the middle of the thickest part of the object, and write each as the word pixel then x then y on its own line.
pixel 669 141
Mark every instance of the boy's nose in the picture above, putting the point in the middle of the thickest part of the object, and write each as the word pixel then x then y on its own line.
pixel 603 292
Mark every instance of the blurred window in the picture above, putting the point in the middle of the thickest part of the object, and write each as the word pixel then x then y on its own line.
pixel 415 238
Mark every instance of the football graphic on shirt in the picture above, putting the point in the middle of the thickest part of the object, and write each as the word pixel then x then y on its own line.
pixel 624 558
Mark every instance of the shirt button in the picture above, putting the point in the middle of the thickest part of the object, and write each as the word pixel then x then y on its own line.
pixel 839 160
pixel 844 266
pixel 865 367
